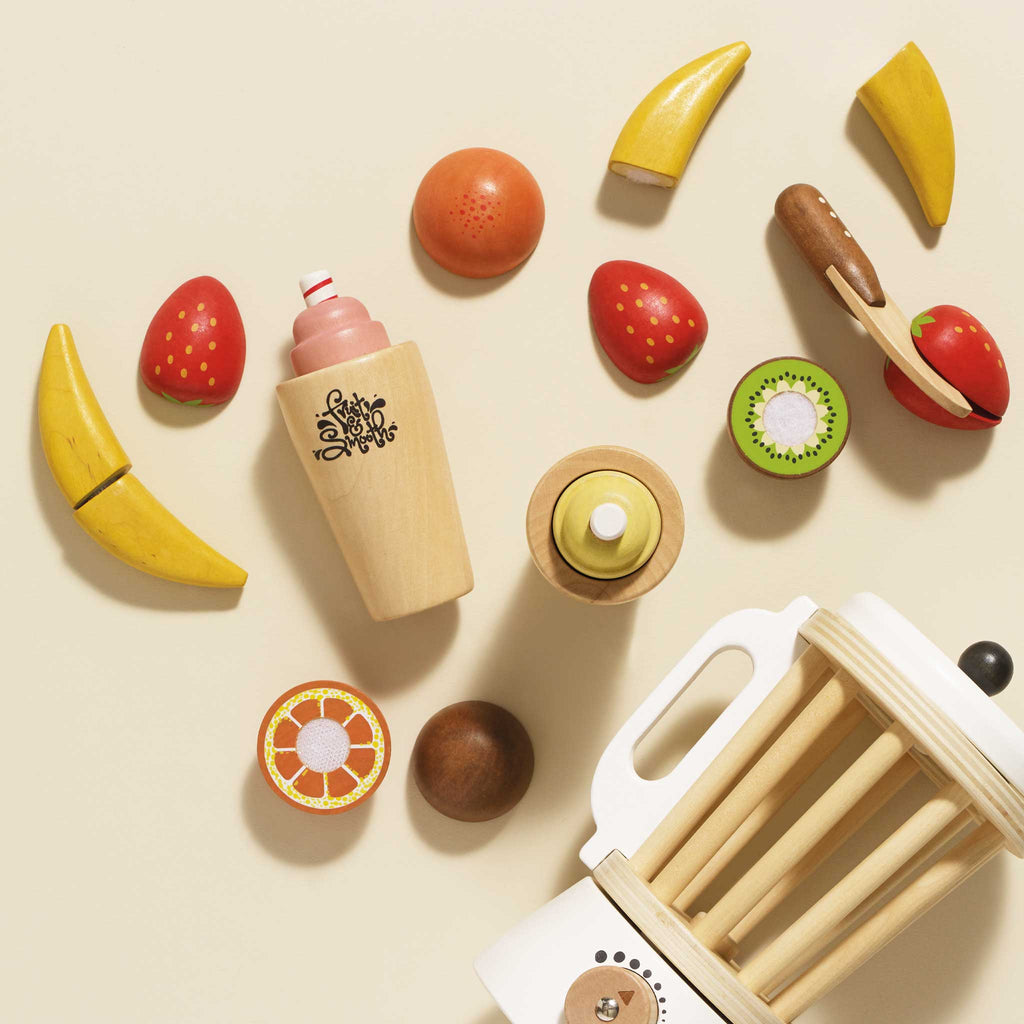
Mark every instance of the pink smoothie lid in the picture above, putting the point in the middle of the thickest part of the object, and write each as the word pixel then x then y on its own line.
pixel 332 329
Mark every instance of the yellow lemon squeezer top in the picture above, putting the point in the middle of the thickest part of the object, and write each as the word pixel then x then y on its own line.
pixel 606 524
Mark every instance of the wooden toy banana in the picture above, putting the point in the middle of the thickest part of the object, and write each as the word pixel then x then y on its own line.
pixel 905 100
pixel 659 136
pixel 93 471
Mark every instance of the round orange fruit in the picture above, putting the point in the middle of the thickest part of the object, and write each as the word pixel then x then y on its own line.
pixel 478 212
pixel 323 747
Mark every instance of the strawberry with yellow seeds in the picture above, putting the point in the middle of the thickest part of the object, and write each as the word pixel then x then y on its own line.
pixel 646 321
pixel 323 747
pixel 194 350
pixel 962 352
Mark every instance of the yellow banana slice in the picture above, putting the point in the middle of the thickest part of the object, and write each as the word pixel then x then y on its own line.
pixel 130 523
pixel 659 136
pixel 80 447
pixel 905 100
pixel 92 470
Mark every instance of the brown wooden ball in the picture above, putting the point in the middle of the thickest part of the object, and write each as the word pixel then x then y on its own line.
pixel 473 761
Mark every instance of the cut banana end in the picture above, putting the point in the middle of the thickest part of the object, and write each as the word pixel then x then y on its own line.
pixel 131 524
pixel 655 143
pixel 905 100
pixel 91 469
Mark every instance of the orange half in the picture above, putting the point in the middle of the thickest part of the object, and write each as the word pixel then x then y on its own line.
pixel 323 747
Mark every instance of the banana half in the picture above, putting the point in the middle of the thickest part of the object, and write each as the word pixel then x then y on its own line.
pixel 905 100
pixel 93 471
pixel 657 140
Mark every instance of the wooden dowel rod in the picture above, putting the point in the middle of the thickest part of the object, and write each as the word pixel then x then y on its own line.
pixel 852 716
pixel 819 715
pixel 804 834
pixel 807 673
pixel 954 828
pixel 906 907
pixel 805 935
pixel 905 769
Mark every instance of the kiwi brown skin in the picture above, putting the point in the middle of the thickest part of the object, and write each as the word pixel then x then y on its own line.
pixel 788 476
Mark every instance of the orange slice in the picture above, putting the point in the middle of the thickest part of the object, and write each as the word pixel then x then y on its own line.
pixel 323 747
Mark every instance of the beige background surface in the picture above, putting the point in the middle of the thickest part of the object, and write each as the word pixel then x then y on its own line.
pixel 149 874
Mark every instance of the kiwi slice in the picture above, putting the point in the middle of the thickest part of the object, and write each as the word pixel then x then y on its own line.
pixel 788 417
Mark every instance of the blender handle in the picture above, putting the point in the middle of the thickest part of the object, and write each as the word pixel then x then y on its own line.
pixel 627 808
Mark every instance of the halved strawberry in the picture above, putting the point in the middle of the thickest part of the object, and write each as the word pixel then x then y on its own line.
pixel 646 321
pixel 194 350
pixel 961 351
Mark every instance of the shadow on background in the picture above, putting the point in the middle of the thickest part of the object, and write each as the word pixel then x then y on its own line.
pixel 908 455
pixel 292 835
pixel 934 960
pixel 443 833
pixel 390 654
pixel 866 136
pixel 494 1016
pixel 103 570
pixel 753 504
pixel 454 284
pixel 552 662
pixel 643 205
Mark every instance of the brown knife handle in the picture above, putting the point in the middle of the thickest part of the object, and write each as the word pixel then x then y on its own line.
pixel 824 241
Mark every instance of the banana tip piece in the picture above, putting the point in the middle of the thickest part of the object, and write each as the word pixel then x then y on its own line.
pixel 657 140
pixel 94 474
pixel 905 100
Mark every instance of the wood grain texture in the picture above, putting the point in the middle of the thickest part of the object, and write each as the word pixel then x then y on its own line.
pixel 826 744
pixel 473 761
pixel 891 329
pixel 708 973
pixel 905 100
pixel 865 809
pixel 995 798
pixel 809 830
pixel 545 552
pixel 896 880
pixel 828 705
pixel 776 961
pixel 892 885
pixel 807 674
pixel 916 899
pixel 392 507
pixel 823 240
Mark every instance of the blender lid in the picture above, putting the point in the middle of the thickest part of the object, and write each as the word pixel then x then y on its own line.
pixel 941 682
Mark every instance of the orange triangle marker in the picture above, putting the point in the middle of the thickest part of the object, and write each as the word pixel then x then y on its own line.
pixel 627 997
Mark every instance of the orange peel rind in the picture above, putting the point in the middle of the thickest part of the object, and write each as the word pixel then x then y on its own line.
pixel 344 757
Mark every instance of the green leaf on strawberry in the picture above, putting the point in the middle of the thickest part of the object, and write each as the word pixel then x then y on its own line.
pixel 918 322
pixel 171 398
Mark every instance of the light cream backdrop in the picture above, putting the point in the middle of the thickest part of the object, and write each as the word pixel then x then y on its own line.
pixel 149 873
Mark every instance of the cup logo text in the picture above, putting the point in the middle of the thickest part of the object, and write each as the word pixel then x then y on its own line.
pixel 352 424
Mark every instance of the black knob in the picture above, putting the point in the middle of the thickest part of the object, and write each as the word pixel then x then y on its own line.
pixel 989 665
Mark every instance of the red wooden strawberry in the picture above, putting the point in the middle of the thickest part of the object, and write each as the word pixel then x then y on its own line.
pixel 194 350
pixel 646 321
pixel 961 351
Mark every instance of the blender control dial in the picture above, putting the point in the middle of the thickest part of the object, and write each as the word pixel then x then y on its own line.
pixel 610 993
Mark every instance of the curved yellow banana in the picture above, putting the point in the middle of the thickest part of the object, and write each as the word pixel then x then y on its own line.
pixel 905 100
pixel 92 470
pixel 659 136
